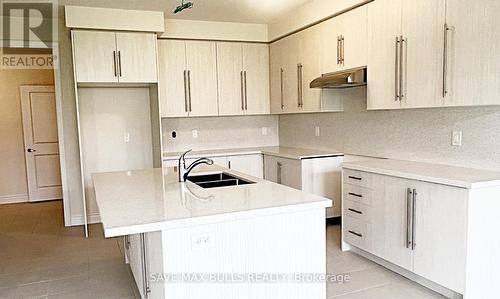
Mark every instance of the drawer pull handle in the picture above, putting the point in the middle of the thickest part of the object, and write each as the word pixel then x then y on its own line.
pixel 356 195
pixel 355 233
pixel 355 178
pixel 356 211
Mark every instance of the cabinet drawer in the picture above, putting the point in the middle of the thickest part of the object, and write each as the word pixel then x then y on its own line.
pixel 356 232
pixel 357 194
pixel 357 210
pixel 358 178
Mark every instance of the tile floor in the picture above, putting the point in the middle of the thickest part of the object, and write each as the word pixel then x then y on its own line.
pixel 40 258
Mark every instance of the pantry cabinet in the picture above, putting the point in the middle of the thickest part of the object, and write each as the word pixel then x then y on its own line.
pixel 109 57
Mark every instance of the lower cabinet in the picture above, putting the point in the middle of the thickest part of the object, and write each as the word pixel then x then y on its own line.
pixel 320 176
pixel 418 226
pixel 145 257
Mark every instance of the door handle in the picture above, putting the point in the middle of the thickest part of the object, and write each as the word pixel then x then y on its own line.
pixel 281 89
pixel 115 65
pixel 342 50
pixel 355 211
pixel 245 85
pixel 119 63
pixel 242 89
pixel 189 90
pixel 397 69
pixel 409 215
pixel 338 50
pixel 299 85
pixel 279 166
pixel 445 60
pixel 402 67
pixel 30 150
pixel 185 92
pixel 414 220
pixel 146 288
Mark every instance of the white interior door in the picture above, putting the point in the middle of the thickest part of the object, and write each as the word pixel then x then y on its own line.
pixel 41 143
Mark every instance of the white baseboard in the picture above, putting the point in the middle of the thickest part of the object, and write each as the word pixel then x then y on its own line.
pixel 91 218
pixel 18 198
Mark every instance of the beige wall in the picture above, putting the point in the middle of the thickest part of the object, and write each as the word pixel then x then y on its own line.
pixel 13 185
pixel 417 134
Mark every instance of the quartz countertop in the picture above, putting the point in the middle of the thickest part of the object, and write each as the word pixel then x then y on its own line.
pixel 435 173
pixel 279 151
pixel 140 201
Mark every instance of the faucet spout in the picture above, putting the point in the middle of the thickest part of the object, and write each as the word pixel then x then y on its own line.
pixel 185 170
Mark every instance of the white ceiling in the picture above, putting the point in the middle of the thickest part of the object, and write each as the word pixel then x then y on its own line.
pixel 243 11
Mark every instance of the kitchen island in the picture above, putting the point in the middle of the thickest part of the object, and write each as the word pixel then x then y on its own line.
pixel 257 240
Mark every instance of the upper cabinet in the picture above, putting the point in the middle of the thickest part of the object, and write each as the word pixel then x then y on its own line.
pixel 188 78
pixel 432 54
pixel 344 41
pixel 405 53
pixel 472 62
pixel 109 57
pixel 243 78
pixel 204 78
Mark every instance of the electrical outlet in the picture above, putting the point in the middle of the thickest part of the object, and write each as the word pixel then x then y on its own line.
pixel 456 138
pixel 202 241
pixel 316 131
pixel 126 137
pixel 264 131
pixel 194 133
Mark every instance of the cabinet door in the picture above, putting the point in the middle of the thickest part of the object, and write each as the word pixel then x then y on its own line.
pixel 310 61
pixel 330 51
pixel 137 57
pixel 291 54
pixel 440 235
pixel 135 261
pixel 423 23
pixel 230 78
pixel 201 61
pixel 94 56
pixel 390 226
pixel 172 85
pixel 247 164
pixel 256 67
pixel 353 26
pixel 276 71
pixel 283 171
pixel 384 26
pixel 473 62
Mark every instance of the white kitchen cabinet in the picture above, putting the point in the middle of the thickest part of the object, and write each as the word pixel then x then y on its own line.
pixel 441 234
pixel 344 41
pixel 401 35
pixel 188 85
pixel 243 78
pixel 309 68
pixel 418 226
pixel 135 259
pixel 472 59
pixel 108 57
pixel 320 176
pixel 201 62
pixel 277 75
pixel 256 76
pixel 247 164
pixel 173 78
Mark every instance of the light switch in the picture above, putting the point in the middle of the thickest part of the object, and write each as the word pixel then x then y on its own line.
pixel 202 241
pixel 194 133
pixel 456 139
pixel 126 137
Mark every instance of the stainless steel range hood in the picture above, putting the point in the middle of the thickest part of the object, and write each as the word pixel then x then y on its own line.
pixel 342 79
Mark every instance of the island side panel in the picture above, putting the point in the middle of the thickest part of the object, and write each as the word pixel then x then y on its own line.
pixel 291 243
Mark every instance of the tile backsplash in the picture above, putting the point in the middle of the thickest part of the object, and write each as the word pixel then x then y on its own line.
pixel 419 134
pixel 219 132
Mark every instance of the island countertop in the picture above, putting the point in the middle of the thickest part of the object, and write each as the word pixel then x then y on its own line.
pixel 141 201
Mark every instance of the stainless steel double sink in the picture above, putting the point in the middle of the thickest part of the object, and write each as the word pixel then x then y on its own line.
pixel 216 180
